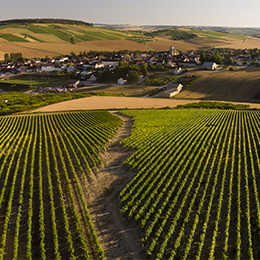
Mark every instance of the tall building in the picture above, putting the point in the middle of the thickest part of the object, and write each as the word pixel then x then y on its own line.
pixel 172 51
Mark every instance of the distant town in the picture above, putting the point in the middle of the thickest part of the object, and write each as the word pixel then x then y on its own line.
pixel 124 67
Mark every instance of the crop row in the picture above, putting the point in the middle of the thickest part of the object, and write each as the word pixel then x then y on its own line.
pixel 197 172
pixel 43 159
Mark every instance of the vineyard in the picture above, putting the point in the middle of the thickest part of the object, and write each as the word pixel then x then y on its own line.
pixel 44 160
pixel 196 191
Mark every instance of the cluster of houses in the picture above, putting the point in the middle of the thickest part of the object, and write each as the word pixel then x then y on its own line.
pixel 86 67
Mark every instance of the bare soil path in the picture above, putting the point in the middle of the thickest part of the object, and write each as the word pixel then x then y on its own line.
pixel 119 239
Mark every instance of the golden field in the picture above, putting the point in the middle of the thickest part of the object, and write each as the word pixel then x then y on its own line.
pixel 237 85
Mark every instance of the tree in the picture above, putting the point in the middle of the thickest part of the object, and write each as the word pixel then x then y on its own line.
pixel 133 76
pixel 203 57
pixel 122 69
pixel 144 68
pixel 6 57
pixel 72 40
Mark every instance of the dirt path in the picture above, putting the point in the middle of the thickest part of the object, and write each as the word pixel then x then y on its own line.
pixel 118 238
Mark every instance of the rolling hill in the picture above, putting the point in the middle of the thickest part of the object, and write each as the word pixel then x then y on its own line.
pixel 239 85
pixel 53 37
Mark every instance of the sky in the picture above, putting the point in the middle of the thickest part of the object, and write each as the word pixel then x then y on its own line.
pixel 230 13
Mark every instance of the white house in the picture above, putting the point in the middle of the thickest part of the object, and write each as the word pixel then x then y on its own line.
pixel 59 68
pixel 85 73
pixel 209 65
pixel 110 63
pixel 48 68
pixel 93 77
pixel 121 81
pixel 175 70
pixel 70 68
pixel 172 90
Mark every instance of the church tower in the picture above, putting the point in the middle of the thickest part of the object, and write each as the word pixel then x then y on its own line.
pixel 172 51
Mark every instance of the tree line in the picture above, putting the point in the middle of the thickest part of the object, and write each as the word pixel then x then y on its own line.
pixel 45 20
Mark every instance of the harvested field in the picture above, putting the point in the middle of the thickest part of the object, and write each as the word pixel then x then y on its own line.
pixel 41 49
pixel 237 85
pixel 30 51
pixel 113 45
pixel 163 44
pixel 2 55
pixel 95 102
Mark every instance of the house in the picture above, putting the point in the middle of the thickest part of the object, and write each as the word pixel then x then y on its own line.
pixel 171 90
pixel 48 67
pixel 93 77
pixel 70 68
pixel 175 70
pixel 109 63
pixel 85 73
pixel 71 83
pixel 59 68
pixel 152 61
pixel 209 65
pixel 237 61
pixel 121 81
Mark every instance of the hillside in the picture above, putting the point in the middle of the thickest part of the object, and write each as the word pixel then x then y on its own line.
pixel 53 37
pixel 237 85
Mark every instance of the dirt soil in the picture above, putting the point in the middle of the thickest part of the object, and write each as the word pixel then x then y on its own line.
pixel 119 238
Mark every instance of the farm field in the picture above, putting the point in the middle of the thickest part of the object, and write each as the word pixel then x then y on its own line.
pixel 111 103
pixel 195 194
pixel 40 40
pixel 239 85
pixel 45 161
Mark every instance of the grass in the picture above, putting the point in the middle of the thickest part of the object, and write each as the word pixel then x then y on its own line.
pixel 187 80
pixel 217 34
pixel 32 37
pixel 213 105
pixel 58 31
pixel 18 102
pixel 127 90
pixel 38 81
pixel 38 29
pixel 12 38
pixel 159 79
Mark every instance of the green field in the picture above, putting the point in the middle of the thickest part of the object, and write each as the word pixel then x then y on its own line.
pixel 12 38
pixel 195 194
pixel 38 81
pixel 18 102
pixel 65 32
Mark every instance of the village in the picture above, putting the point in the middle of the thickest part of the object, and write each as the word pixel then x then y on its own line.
pixel 115 68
